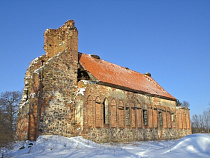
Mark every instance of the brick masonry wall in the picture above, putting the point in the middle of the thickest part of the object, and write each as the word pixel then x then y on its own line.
pixel 65 37
pixel 119 100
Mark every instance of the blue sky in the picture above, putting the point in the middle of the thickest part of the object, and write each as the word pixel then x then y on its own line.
pixel 168 38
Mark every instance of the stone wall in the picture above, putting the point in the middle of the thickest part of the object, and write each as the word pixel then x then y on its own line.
pixel 28 95
pixel 105 135
pixel 47 105
pixel 58 93
pixel 126 120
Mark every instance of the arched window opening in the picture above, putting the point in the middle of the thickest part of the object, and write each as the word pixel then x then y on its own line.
pixel 168 118
pixel 121 114
pixel 127 116
pixel 160 119
pixel 113 111
pixel 145 117
pixel 78 110
pixel 138 115
pixel 106 111
pixel 155 116
pixel 98 112
pixel 90 112
pixel 133 115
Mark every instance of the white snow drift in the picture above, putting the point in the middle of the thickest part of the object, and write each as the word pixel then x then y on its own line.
pixel 48 146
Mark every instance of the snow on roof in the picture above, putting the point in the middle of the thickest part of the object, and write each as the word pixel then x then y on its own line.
pixel 114 74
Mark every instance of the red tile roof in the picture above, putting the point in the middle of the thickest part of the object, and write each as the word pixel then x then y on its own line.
pixel 114 74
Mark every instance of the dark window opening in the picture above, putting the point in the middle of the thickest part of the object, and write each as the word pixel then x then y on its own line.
pixel 82 75
pixel 42 63
pixel 160 119
pixel 26 95
pixel 145 117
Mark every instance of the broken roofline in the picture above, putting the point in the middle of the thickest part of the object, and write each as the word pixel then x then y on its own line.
pixel 135 91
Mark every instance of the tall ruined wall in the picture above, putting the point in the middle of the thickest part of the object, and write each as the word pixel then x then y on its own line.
pixel 50 83
pixel 183 118
pixel 65 37
pixel 55 106
pixel 129 116
pixel 28 94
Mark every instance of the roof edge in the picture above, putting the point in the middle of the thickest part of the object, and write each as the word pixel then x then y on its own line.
pixel 135 91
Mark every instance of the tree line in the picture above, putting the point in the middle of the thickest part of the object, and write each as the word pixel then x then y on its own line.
pixel 201 123
pixel 9 105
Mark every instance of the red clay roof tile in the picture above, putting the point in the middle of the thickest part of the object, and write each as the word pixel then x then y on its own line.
pixel 114 74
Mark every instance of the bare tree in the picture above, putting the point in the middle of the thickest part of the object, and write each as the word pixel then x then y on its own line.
pixel 185 104
pixel 9 104
pixel 178 103
pixel 206 118
pixel 195 124
pixel 6 135
pixel 201 123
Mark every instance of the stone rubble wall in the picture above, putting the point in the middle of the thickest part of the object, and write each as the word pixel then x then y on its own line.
pixel 47 105
pixel 58 93
pixel 105 135
pixel 28 94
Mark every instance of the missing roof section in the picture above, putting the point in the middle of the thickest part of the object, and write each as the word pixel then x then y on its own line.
pixel 95 56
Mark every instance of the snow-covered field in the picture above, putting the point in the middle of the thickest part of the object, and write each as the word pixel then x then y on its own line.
pixel 48 146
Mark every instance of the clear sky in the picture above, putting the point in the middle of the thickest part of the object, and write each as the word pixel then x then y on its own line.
pixel 168 38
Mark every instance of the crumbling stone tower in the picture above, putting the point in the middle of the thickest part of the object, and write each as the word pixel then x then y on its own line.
pixel 64 38
pixel 50 84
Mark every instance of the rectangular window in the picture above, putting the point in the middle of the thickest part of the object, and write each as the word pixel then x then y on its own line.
pixel 145 117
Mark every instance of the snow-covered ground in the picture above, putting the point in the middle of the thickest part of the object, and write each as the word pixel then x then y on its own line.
pixel 48 146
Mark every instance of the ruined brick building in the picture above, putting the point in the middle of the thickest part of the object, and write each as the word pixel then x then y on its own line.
pixel 70 93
